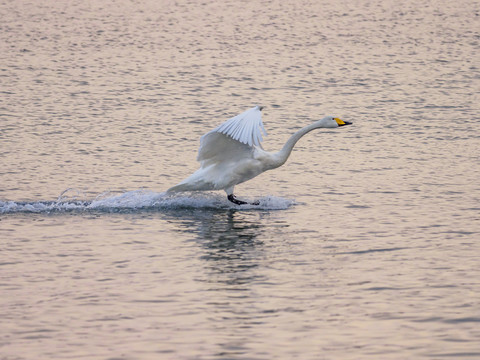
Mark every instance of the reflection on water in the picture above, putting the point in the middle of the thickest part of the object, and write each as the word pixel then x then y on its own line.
pixel 232 252
pixel 230 240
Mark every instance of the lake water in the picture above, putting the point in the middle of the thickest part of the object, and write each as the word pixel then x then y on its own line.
pixel 365 244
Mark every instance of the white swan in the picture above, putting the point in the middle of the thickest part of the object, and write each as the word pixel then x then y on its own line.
pixel 232 154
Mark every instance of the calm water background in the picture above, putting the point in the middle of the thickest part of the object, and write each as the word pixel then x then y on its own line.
pixel 366 244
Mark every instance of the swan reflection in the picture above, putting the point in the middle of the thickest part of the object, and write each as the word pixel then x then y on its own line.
pixel 233 250
pixel 230 240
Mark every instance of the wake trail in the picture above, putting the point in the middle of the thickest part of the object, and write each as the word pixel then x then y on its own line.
pixel 71 200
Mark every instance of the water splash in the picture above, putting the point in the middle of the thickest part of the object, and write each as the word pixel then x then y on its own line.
pixel 72 200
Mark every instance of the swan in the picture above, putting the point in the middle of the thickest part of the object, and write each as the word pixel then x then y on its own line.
pixel 232 153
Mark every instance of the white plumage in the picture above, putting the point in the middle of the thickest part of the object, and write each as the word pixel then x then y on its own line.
pixel 232 153
pixel 246 127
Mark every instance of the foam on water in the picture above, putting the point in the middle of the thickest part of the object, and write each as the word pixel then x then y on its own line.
pixel 137 200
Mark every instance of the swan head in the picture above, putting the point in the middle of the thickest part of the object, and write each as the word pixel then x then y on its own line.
pixel 332 122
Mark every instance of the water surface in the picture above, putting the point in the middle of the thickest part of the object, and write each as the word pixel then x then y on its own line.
pixel 365 244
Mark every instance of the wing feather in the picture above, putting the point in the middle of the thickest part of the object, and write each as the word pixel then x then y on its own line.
pixel 247 133
pixel 246 127
pixel 232 140
pixel 217 148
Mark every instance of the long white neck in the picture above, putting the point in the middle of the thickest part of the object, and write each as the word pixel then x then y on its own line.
pixel 284 153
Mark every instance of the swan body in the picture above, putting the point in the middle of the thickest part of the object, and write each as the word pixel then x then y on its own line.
pixel 232 153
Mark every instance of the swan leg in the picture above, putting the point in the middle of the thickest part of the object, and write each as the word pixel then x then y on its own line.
pixel 234 200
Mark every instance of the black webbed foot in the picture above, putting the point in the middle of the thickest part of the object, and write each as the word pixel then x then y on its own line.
pixel 234 200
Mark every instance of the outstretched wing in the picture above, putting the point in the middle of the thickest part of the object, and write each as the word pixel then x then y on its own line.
pixel 234 139
pixel 217 148
pixel 246 127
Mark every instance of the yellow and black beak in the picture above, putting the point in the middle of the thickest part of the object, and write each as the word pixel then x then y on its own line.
pixel 341 122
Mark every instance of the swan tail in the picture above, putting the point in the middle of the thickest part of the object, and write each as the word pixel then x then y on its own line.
pixel 186 187
pixel 177 188
pixel 193 183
